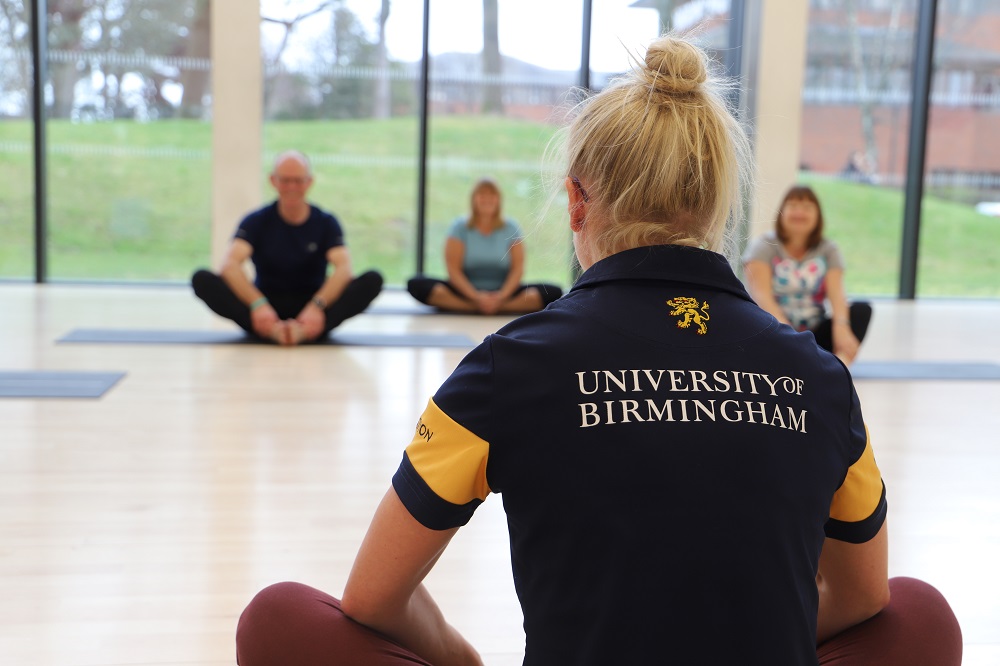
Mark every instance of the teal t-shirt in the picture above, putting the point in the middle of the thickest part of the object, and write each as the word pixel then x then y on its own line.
pixel 487 258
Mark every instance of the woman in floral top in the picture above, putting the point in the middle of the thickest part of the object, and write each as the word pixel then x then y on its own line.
pixel 793 272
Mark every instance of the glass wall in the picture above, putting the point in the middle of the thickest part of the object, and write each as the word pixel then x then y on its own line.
pixel 500 77
pixel 855 125
pixel 17 248
pixel 341 84
pixel 129 136
pixel 503 76
pixel 960 229
pixel 129 103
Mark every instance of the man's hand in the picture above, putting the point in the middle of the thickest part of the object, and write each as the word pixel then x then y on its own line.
pixel 264 319
pixel 312 320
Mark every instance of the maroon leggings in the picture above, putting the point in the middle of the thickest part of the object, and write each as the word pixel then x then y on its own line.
pixel 290 623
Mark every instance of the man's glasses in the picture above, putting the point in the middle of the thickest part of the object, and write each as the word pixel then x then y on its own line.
pixel 583 192
pixel 292 180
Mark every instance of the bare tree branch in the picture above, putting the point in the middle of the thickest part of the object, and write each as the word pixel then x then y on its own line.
pixel 289 25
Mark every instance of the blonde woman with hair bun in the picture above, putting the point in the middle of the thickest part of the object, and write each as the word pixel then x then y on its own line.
pixel 686 481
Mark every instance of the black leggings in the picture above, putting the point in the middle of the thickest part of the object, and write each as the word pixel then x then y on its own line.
pixel 357 296
pixel 420 288
pixel 861 316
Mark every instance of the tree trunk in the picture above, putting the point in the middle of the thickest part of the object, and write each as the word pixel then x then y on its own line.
pixel 65 34
pixel 881 67
pixel 383 98
pixel 492 92
pixel 196 81
pixel 666 10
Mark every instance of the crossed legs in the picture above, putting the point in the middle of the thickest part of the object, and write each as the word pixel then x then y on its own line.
pixel 357 296
pixel 291 623
pixel 440 294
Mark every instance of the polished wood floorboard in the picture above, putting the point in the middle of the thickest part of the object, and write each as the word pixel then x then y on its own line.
pixel 134 528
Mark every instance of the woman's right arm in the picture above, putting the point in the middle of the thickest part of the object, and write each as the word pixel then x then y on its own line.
pixel 385 592
pixel 759 284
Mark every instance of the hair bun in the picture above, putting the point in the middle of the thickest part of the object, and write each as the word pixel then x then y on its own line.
pixel 675 66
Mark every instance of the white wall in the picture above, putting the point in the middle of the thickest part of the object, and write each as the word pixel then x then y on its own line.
pixel 777 91
pixel 237 117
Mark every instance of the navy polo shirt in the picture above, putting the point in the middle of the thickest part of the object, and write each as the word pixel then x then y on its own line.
pixel 670 459
pixel 290 258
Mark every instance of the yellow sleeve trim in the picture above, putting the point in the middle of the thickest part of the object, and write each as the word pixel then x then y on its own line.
pixel 450 459
pixel 859 495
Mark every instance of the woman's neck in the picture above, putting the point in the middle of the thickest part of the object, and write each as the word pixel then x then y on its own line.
pixel 484 224
pixel 796 247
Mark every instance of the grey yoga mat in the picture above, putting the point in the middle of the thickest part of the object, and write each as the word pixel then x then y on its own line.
pixel 171 337
pixel 53 384
pixel 926 370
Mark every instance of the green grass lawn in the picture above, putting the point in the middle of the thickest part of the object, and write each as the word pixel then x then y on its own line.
pixel 132 201
pixel 959 248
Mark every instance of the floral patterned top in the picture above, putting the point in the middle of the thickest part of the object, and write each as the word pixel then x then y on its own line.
pixel 799 286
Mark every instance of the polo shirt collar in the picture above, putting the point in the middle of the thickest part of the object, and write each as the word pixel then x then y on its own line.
pixel 674 263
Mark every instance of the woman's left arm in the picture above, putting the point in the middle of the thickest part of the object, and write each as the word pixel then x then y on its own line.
pixel 845 344
pixel 516 272
pixel 384 590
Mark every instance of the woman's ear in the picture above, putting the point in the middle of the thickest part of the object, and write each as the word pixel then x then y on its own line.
pixel 577 212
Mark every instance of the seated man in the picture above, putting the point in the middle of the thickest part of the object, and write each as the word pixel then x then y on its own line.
pixel 295 297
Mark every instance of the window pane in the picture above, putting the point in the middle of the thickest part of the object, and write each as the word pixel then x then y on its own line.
pixel 129 139
pixel 622 29
pixel 960 228
pixel 16 165
pixel 855 124
pixel 346 97
pixel 498 85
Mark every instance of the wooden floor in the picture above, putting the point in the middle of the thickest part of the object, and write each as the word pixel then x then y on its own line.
pixel 134 528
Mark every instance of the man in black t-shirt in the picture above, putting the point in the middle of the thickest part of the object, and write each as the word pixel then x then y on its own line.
pixel 292 244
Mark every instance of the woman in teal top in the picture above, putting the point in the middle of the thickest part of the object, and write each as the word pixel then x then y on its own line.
pixel 484 256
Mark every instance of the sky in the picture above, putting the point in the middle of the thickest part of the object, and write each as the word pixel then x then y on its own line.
pixel 547 33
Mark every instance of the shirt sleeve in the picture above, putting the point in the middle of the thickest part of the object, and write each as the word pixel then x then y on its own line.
pixel 459 230
pixel 859 506
pixel 442 478
pixel 249 228
pixel 762 248
pixel 834 257
pixel 334 232
pixel 514 232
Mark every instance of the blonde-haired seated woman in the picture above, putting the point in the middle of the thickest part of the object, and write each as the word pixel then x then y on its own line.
pixel 686 481
pixel 484 255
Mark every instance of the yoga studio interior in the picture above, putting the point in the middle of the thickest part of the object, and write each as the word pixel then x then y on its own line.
pixel 157 470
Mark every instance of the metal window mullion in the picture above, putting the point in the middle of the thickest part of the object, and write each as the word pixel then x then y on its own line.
pixel 39 59
pixel 923 66
pixel 422 142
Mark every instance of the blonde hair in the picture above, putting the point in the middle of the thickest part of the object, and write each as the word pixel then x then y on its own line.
pixel 662 158
pixel 474 217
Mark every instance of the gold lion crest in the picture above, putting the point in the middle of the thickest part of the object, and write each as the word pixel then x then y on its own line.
pixel 691 312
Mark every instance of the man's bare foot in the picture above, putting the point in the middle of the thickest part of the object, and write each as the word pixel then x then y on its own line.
pixel 295 333
pixel 280 334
